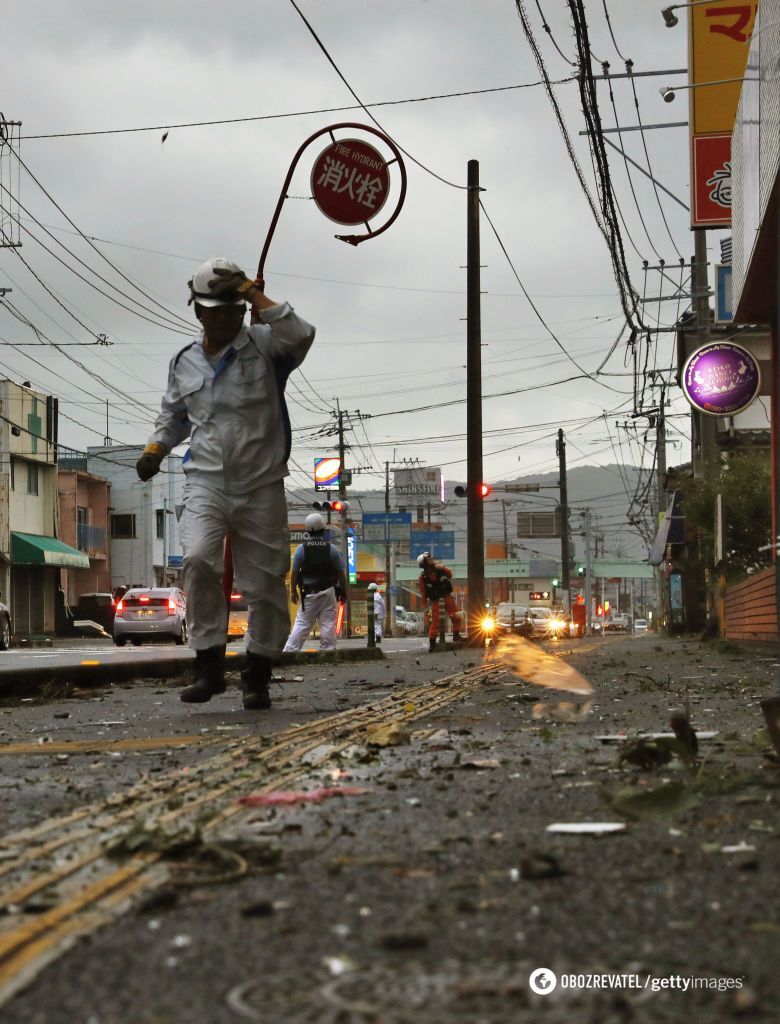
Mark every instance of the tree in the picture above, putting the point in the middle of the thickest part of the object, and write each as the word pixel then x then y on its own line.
pixel 745 486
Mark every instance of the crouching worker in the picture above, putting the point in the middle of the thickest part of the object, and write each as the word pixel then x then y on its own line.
pixel 226 394
pixel 318 577
pixel 436 583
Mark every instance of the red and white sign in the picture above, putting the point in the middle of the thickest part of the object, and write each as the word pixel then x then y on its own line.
pixel 350 181
pixel 711 192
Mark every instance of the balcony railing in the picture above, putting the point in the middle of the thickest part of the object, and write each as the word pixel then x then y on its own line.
pixel 91 538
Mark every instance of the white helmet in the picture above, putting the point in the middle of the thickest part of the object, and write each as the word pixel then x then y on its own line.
pixel 204 278
pixel 372 586
pixel 314 522
pixel 421 558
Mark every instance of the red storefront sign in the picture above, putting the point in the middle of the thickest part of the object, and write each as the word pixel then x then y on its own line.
pixel 350 181
pixel 711 192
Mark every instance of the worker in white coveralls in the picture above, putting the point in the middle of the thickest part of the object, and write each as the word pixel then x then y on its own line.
pixel 226 394
pixel 317 575
pixel 379 612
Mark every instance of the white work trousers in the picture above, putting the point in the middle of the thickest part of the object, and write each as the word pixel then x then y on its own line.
pixel 257 524
pixel 322 606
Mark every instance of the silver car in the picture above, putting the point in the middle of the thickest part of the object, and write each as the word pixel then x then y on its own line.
pixel 155 613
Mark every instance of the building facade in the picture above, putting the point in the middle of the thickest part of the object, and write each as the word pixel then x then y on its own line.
pixel 143 529
pixel 84 524
pixel 32 556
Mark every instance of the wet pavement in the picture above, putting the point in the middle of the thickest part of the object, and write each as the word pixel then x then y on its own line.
pixel 429 889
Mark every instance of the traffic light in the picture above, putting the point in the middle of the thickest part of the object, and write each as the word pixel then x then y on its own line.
pixel 580 570
pixel 483 490
pixel 331 506
pixel 556 582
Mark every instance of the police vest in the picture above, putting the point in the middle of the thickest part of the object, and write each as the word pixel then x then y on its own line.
pixel 317 562
pixel 440 587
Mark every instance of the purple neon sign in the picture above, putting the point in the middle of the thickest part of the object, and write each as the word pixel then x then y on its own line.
pixel 721 379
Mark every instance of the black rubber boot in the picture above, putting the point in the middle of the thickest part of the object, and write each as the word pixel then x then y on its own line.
pixel 209 676
pixel 457 638
pixel 379 639
pixel 431 644
pixel 254 682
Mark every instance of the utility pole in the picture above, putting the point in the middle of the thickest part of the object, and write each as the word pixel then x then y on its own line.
pixel 564 507
pixel 475 508
pixel 588 575
pixel 388 575
pixel 660 471
pixel 344 519
pixel 705 449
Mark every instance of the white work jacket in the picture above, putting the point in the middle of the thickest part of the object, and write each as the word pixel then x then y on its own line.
pixel 234 413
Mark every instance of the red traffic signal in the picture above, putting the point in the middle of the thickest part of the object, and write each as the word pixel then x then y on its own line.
pixel 483 490
pixel 331 506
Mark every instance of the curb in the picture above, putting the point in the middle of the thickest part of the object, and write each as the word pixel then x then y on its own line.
pixel 30 681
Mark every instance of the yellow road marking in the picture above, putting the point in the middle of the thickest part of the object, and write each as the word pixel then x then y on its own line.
pixel 99 746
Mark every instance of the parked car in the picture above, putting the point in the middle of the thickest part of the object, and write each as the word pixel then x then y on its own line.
pixel 5 627
pixel 405 623
pixel 640 625
pixel 419 622
pixel 97 607
pixel 238 617
pixel 151 613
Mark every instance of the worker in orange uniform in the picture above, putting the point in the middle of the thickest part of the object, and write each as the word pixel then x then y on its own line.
pixel 436 583
pixel 578 615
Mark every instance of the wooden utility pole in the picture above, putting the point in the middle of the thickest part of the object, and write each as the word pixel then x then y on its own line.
pixel 475 509
pixel 564 508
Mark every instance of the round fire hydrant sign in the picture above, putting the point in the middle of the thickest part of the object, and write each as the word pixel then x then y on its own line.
pixel 350 181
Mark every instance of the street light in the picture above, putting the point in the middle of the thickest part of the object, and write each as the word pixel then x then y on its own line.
pixel 671 19
pixel 668 91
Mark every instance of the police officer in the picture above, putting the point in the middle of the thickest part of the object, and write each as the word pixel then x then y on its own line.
pixel 436 583
pixel 379 612
pixel 318 576
pixel 226 394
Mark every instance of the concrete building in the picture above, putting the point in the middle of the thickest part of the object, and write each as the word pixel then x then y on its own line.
pixel 84 524
pixel 142 522
pixel 32 556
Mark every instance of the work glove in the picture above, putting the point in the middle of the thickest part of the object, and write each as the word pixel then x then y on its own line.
pixel 149 463
pixel 228 281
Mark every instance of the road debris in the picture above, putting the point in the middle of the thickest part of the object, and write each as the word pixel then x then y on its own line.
pixel 592 828
pixel 287 797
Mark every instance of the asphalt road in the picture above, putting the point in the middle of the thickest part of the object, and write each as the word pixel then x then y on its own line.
pixel 138 889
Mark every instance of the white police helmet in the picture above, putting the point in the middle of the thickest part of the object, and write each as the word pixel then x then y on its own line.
pixel 422 558
pixel 372 586
pixel 314 522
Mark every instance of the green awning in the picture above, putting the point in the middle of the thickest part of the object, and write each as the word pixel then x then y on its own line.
pixel 32 549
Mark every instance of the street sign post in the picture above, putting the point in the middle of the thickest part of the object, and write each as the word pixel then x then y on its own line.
pixel 382 527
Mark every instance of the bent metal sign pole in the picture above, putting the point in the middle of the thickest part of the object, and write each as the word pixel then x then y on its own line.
pixel 350 184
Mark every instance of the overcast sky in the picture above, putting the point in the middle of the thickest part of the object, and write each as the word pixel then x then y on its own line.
pixel 390 313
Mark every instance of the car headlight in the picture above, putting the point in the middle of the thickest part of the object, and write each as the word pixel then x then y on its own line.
pixel 488 624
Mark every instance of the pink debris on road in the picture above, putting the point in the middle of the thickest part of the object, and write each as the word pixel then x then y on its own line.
pixel 311 796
